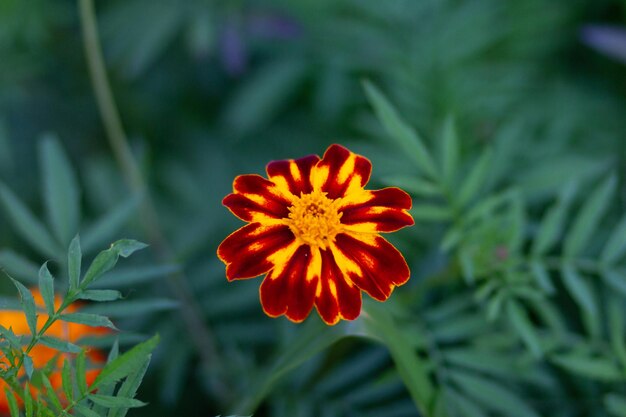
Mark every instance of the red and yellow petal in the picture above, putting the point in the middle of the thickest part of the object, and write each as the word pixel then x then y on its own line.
pixel 371 263
pixel 376 211
pixel 248 251
pixel 289 289
pixel 255 199
pixel 340 172
pixel 293 175
pixel 336 297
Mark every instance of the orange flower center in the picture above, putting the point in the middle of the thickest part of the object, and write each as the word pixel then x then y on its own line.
pixel 314 219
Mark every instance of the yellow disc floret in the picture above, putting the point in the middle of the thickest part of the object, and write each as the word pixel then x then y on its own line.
pixel 314 219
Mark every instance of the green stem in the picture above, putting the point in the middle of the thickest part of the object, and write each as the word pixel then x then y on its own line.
pixel 190 311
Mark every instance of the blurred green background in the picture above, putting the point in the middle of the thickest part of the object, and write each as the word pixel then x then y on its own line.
pixel 211 89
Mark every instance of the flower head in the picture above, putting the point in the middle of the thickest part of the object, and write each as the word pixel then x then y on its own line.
pixel 46 357
pixel 315 231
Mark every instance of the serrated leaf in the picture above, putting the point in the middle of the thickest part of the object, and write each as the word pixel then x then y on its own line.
pixel 105 228
pixel 66 380
pixel 74 260
pixel 107 259
pixel 92 320
pixel 492 395
pixel 61 192
pixel 404 135
pixel 588 217
pixel 615 247
pixel 602 369
pixel 27 225
pixel 125 364
pixel 28 306
pixel 523 326
pixel 85 411
pixel 46 288
pixel 50 392
pixel 10 337
pixel 129 387
pixel 58 344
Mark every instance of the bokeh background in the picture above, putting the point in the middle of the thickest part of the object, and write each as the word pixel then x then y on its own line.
pixel 211 89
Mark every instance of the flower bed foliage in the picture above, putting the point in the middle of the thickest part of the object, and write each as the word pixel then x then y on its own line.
pixel 497 126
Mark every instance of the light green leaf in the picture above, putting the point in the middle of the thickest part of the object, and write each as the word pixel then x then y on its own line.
pixel 615 247
pixel 28 306
pixel 13 409
pixel 74 259
pixel 107 259
pixel 27 225
pixel 602 369
pixel 471 187
pixel 61 190
pixel 404 135
pixel 111 401
pixel 126 364
pixel 588 218
pixel 58 344
pixel 522 324
pixel 46 288
pixel 492 395
pixel 28 401
pixel 93 320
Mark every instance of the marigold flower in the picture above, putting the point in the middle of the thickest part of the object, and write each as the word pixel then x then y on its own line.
pixel 43 355
pixel 315 231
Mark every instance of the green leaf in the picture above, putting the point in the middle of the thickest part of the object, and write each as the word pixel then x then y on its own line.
pixel 10 337
pixel 25 223
pixel 74 259
pixel 450 152
pixel 615 404
pixel 46 288
pixel 602 369
pixel 130 276
pixel 100 295
pixel 542 277
pixel 12 402
pixel 58 344
pixel 107 259
pixel 463 405
pixel 471 187
pixel 552 222
pixel 61 190
pixel 431 213
pixel 110 401
pixel 124 365
pixel 615 247
pixel 85 411
pixel 81 372
pixel 615 313
pixel 588 218
pixel 18 266
pixel 413 185
pixel 105 228
pixel 28 401
pixel 615 280
pixel 380 325
pixel 132 308
pixel 29 366
pixel 492 395
pixel 129 387
pixel 524 327
pixel 50 392
pixel 404 135
pixel 28 306
pixel 92 320
pixel 579 289
pixel 66 380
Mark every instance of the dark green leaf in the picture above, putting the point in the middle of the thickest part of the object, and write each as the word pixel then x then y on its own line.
pixel 66 380
pixel 74 259
pixel 471 187
pixel 100 295
pixel 126 364
pixel 110 401
pixel 105 228
pixel 579 289
pixel 93 320
pixel 28 305
pixel 81 372
pixel 107 259
pixel 129 387
pixel 552 222
pixel 12 402
pixel 18 266
pixel 58 344
pixel 450 152
pixel 615 247
pixel 599 368
pixel 615 404
pixel 522 324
